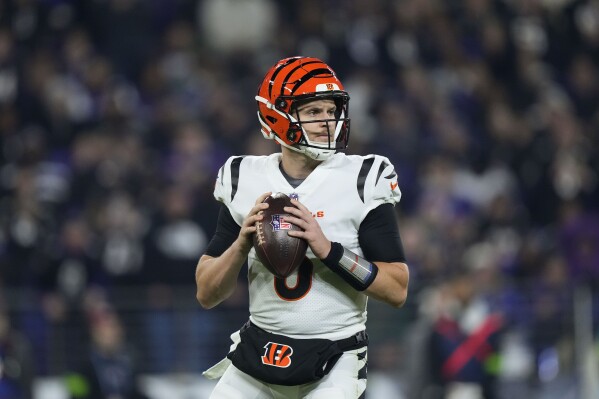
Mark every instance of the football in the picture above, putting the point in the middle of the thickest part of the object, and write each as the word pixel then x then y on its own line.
pixel 280 253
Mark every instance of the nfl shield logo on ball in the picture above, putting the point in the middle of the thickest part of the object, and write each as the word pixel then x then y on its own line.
pixel 278 223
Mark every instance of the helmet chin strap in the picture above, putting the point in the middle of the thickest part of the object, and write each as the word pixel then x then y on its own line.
pixel 316 154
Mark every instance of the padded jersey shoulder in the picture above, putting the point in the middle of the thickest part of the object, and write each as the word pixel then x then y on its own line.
pixel 227 180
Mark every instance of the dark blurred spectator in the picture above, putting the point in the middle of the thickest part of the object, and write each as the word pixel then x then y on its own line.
pixel 175 240
pixel 583 86
pixel 16 362
pixel 73 264
pixel 224 29
pixel 459 350
pixel 551 324
pixel 8 67
pixel 109 370
pixel 130 38
pixel 28 224
pixel 579 241
pixel 177 338
pixel 73 273
pixel 121 222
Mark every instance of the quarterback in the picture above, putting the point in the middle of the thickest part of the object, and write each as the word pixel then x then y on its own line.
pixel 305 337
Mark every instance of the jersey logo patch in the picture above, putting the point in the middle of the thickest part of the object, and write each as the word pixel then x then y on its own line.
pixel 393 185
pixel 278 223
pixel 277 355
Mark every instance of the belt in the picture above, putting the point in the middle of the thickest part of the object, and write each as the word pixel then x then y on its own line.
pixel 356 341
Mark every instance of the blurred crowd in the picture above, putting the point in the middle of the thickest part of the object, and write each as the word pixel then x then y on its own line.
pixel 115 116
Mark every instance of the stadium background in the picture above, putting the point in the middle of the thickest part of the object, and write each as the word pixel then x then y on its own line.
pixel 116 114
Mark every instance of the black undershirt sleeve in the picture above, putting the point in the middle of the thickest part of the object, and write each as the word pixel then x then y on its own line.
pixel 226 233
pixel 379 237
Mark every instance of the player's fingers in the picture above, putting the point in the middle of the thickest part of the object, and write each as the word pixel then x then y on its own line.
pixel 297 221
pixel 297 233
pixel 259 205
pixel 300 206
pixel 262 197
pixel 311 237
pixel 251 220
pixel 256 209
pixel 294 211
pixel 247 230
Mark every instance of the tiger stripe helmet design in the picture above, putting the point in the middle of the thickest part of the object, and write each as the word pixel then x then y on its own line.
pixel 297 80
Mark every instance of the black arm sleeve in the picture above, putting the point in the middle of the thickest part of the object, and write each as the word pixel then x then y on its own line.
pixel 226 233
pixel 378 236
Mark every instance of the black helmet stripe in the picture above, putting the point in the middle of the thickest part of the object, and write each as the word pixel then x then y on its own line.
pixel 310 75
pixel 276 72
pixel 291 73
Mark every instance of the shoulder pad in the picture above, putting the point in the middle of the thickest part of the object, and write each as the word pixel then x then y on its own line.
pixel 227 180
pixel 377 181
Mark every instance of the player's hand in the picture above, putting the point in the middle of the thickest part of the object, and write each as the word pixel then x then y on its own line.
pixel 302 217
pixel 248 227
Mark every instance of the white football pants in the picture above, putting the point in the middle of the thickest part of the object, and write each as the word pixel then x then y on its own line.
pixel 341 383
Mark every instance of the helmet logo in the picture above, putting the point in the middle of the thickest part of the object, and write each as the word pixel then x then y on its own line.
pixel 327 87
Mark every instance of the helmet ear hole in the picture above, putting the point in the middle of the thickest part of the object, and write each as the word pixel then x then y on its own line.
pixel 293 134
pixel 280 104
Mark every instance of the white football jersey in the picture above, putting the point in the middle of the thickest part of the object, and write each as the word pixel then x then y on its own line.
pixel 313 302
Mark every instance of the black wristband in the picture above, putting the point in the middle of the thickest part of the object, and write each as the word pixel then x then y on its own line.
pixel 334 256
pixel 355 270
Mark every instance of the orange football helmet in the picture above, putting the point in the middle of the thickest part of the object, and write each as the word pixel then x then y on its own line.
pixel 302 79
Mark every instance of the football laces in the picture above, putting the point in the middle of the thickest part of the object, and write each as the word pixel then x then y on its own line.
pixel 260 233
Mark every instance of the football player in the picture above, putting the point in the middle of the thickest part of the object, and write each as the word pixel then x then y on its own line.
pixel 305 337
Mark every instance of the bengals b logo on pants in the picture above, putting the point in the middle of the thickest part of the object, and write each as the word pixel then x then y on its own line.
pixel 277 355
